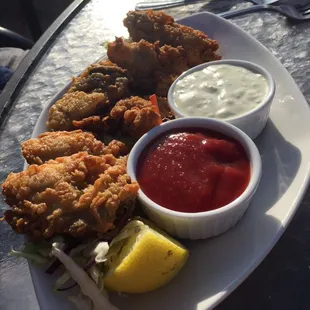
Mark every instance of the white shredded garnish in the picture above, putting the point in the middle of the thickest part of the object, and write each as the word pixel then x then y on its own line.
pixel 100 252
pixel 87 285
pixel 58 245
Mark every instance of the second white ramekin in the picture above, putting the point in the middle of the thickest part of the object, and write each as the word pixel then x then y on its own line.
pixel 207 224
pixel 251 122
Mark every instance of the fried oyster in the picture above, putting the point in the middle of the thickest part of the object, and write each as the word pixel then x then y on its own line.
pixel 76 195
pixel 158 26
pixel 164 64
pixel 95 91
pixel 50 145
pixel 74 106
pixel 103 77
pixel 132 117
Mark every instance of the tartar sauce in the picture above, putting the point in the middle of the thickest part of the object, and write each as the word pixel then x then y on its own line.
pixel 220 91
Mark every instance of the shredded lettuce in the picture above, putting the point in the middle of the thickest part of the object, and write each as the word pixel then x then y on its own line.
pixel 33 257
pixel 63 279
pixel 94 273
pixel 36 253
pixel 91 282
pixel 98 276
pixel 42 248
pixel 87 285
pixel 100 284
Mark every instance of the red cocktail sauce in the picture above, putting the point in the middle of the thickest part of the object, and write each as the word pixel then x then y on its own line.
pixel 193 170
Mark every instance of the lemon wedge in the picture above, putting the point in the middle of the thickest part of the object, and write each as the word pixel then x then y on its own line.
pixel 142 258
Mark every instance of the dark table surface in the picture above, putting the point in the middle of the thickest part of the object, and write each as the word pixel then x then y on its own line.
pixel 282 280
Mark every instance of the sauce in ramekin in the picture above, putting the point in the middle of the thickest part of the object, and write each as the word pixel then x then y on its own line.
pixel 220 91
pixel 193 170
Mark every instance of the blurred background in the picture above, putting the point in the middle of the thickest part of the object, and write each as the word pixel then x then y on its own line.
pixel 30 18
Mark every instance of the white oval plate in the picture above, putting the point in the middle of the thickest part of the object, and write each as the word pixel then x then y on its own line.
pixel 217 266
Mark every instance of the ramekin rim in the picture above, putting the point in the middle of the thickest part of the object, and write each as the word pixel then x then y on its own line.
pixel 248 144
pixel 239 62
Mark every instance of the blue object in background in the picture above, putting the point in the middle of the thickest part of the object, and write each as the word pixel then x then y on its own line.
pixel 5 75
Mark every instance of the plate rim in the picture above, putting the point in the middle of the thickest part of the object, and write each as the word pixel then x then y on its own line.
pixel 299 196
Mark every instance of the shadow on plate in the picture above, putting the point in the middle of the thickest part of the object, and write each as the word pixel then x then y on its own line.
pixel 287 270
pixel 280 163
pixel 213 266
pixel 229 258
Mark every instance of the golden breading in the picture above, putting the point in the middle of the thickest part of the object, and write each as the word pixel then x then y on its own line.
pixel 116 148
pixel 163 63
pixel 77 195
pixel 74 106
pixel 92 123
pixel 103 77
pixel 50 145
pixel 133 116
pixel 140 59
pixel 130 117
pixel 157 26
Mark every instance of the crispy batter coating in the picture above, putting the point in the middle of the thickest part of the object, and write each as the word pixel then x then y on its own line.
pixel 92 123
pixel 50 145
pixel 149 64
pixel 103 77
pixel 127 55
pixel 77 195
pixel 74 106
pixel 116 148
pixel 96 90
pixel 133 116
pixel 157 26
pixel 171 59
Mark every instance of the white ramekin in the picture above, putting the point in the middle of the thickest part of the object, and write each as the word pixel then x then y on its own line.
pixel 252 122
pixel 207 224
